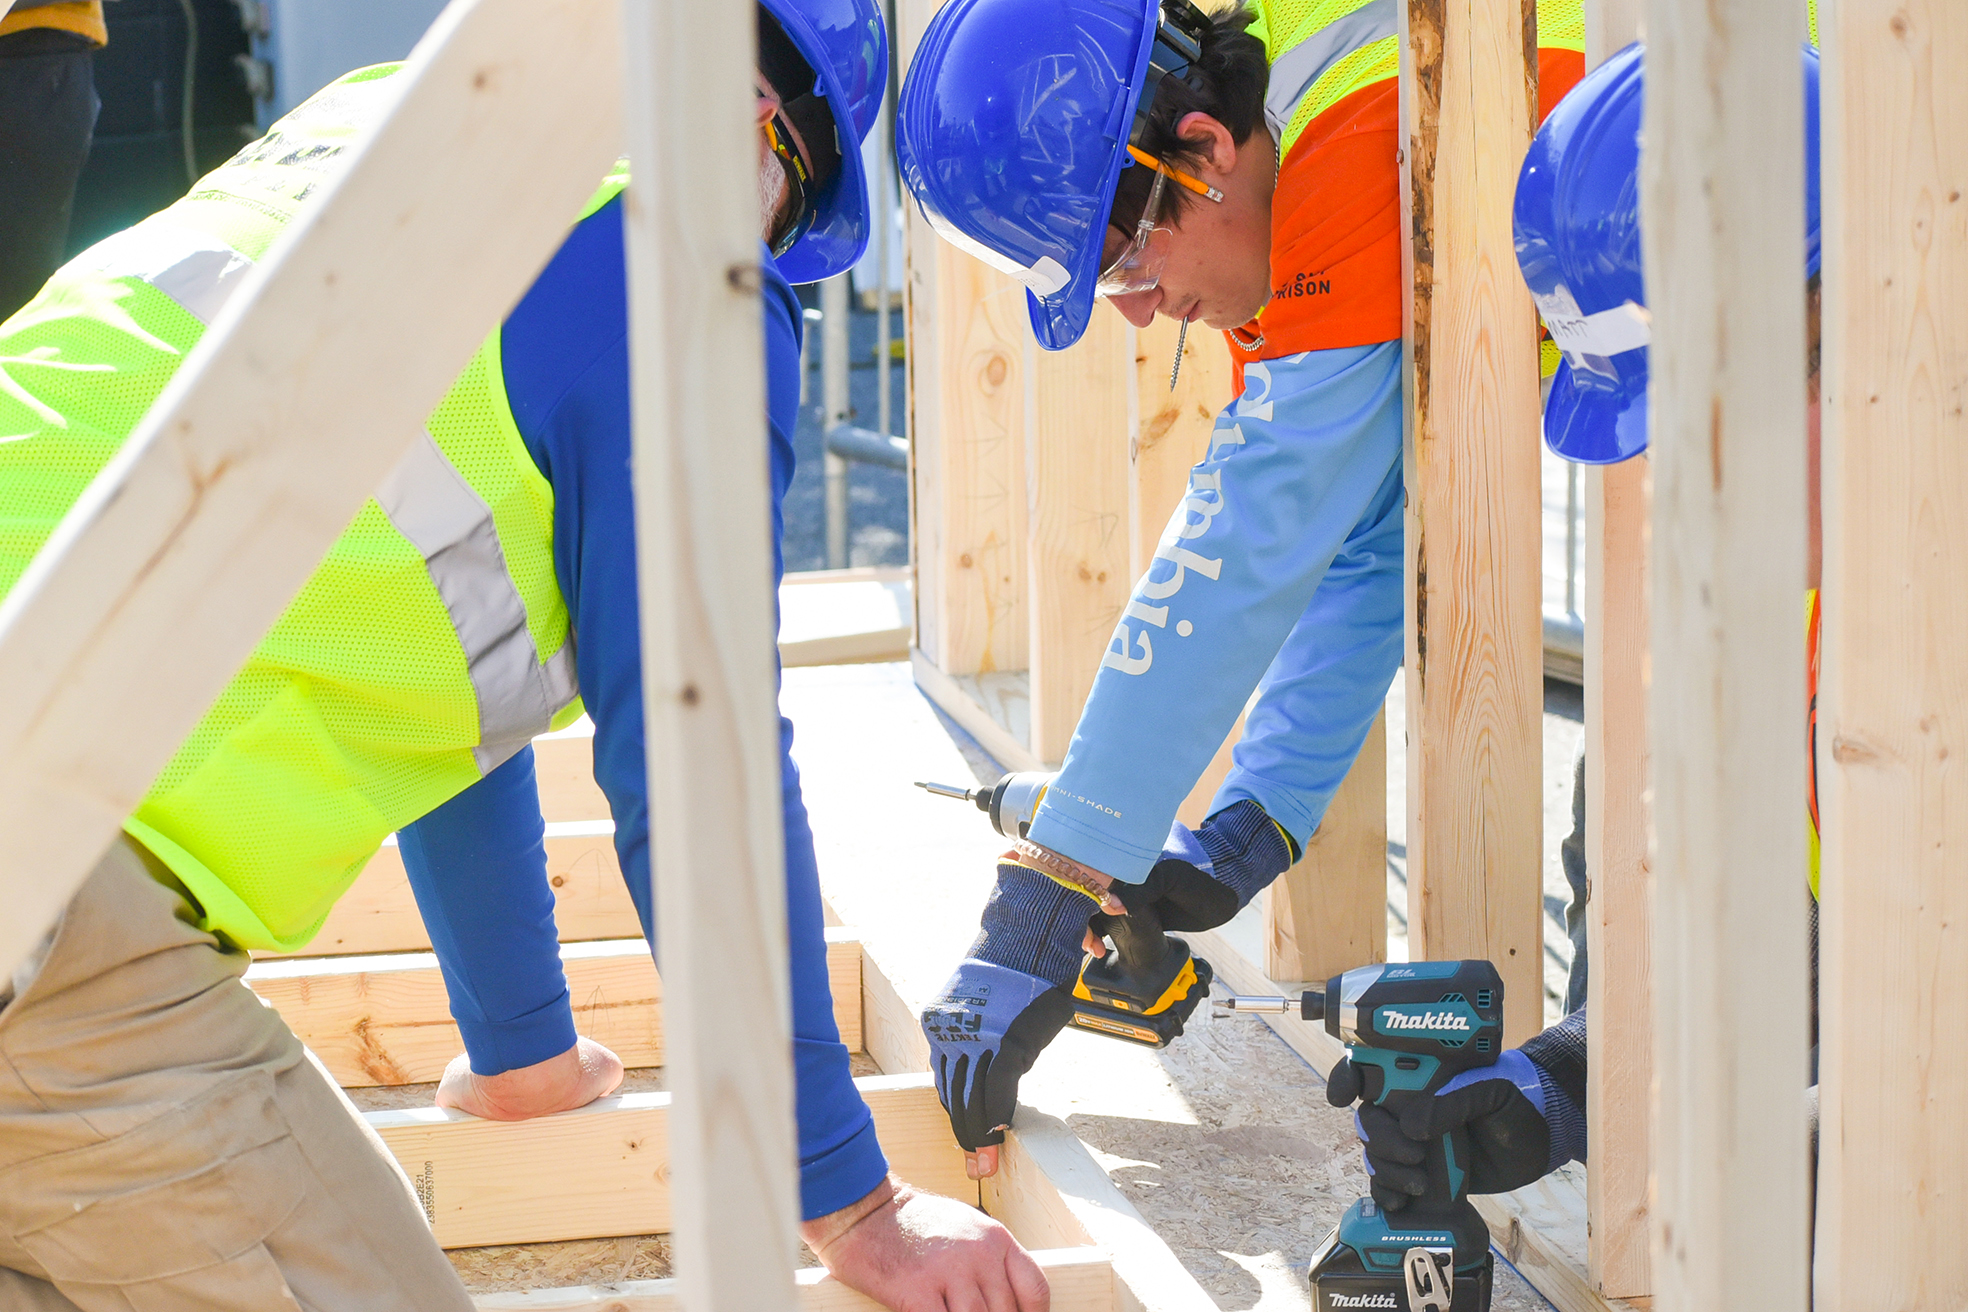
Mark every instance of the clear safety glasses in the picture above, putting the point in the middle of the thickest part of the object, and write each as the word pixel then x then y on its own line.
pixel 1137 267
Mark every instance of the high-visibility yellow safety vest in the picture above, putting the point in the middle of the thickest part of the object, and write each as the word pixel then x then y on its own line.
pixel 428 648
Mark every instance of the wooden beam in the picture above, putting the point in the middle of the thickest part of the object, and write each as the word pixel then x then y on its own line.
pixel 387 1019
pixel 1050 1192
pixel 1328 913
pixel 563 769
pixel 1475 634
pixel 1721 185
pixel 995 709
pixel 608 1169
pixel 1619 908
pixel 1077 403
pixel 891 1031
pixel 1171 429
pixel 709 668
pixel 1619 988
pixel 1082 1280
pixel 379 913
pixel 179 557
pixel 965 369
pixel 1893 706
pixel 973 413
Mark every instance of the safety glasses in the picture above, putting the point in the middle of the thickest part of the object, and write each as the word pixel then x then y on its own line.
pixel 780 138
pixel 1137 267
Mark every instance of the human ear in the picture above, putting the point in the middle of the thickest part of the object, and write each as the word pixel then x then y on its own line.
pixel 1211 138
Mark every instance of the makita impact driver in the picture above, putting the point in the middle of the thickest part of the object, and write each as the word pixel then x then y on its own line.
pixel 1145 988
pixel 1409 1028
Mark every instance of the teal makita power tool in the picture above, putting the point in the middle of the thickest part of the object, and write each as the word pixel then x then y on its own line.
pixel 1409 1028
pixel 1145 988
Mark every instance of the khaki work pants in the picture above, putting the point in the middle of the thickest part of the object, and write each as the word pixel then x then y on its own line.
pixel 167 1144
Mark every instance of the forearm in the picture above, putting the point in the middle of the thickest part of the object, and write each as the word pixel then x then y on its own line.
pixel 1319 698
pixel 478 868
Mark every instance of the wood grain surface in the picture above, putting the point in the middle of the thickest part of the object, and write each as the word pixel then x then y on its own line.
pixel 709 664
pixel 1721 178
pixel 1893 704
pixel 1475 638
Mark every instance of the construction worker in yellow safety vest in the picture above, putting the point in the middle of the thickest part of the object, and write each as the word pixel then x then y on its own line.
pixel 1236 169
pixel 166 1141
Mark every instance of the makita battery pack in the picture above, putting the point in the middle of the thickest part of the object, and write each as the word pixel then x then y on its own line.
pixel 1366 1266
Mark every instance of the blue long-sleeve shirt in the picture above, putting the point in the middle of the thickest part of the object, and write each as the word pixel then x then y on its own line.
pixel 477 864
pixel 1280 572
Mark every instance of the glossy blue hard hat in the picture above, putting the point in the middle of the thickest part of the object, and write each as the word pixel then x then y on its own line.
pixel 1012 132
pixel 1577 220
pixel 846 44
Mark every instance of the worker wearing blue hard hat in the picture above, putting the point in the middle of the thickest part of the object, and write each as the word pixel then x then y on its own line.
pixel 1236 169
pixel 1578 244
pixel 164 1138
pixel 1577 221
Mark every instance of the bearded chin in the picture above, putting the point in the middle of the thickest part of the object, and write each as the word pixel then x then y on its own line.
pixel 772 194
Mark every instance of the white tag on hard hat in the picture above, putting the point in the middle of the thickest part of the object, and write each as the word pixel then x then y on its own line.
pixel 1607 333
pixel 1046 278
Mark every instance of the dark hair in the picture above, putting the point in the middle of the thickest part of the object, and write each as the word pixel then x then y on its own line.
pixel 1227 83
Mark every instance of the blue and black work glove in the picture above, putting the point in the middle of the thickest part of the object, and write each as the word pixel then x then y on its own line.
pixel 1008 999
pixel 1521 1125
pixel 1205 876
pixel 985 1030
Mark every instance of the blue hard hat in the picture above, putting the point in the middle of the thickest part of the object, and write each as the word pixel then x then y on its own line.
pixel 1012 131
pixel 1577 221
pixel 846 45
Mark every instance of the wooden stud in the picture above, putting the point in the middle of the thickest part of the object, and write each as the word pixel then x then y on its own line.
pixel 1893 702
pixel 387 1019
pixel 978 427
pixel 176 561
pixel 1474 529
pixel 1328 913
pixel 965 370
pixel 609 1168
pixel 1721 184
pixel 1076 407
pixel 709 669
pixel 1082 1280
pixel 1618 909
pixel 1171 428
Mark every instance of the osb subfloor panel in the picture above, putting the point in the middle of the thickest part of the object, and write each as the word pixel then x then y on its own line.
pixel 1224 1140
pixel 504 1267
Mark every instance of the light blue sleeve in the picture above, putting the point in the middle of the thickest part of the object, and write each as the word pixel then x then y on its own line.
pixel 1283 563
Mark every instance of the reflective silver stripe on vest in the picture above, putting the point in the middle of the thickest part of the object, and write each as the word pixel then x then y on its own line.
pixel 200 273
pixel 429 502
pixel 1299 69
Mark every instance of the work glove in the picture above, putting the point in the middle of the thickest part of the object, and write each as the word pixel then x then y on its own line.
pixel 985 1030
pixel 1506 1110
pixel 1205 876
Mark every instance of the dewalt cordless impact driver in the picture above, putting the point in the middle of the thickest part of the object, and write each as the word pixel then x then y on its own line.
pixel 1145 988
pixel 1409 1028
